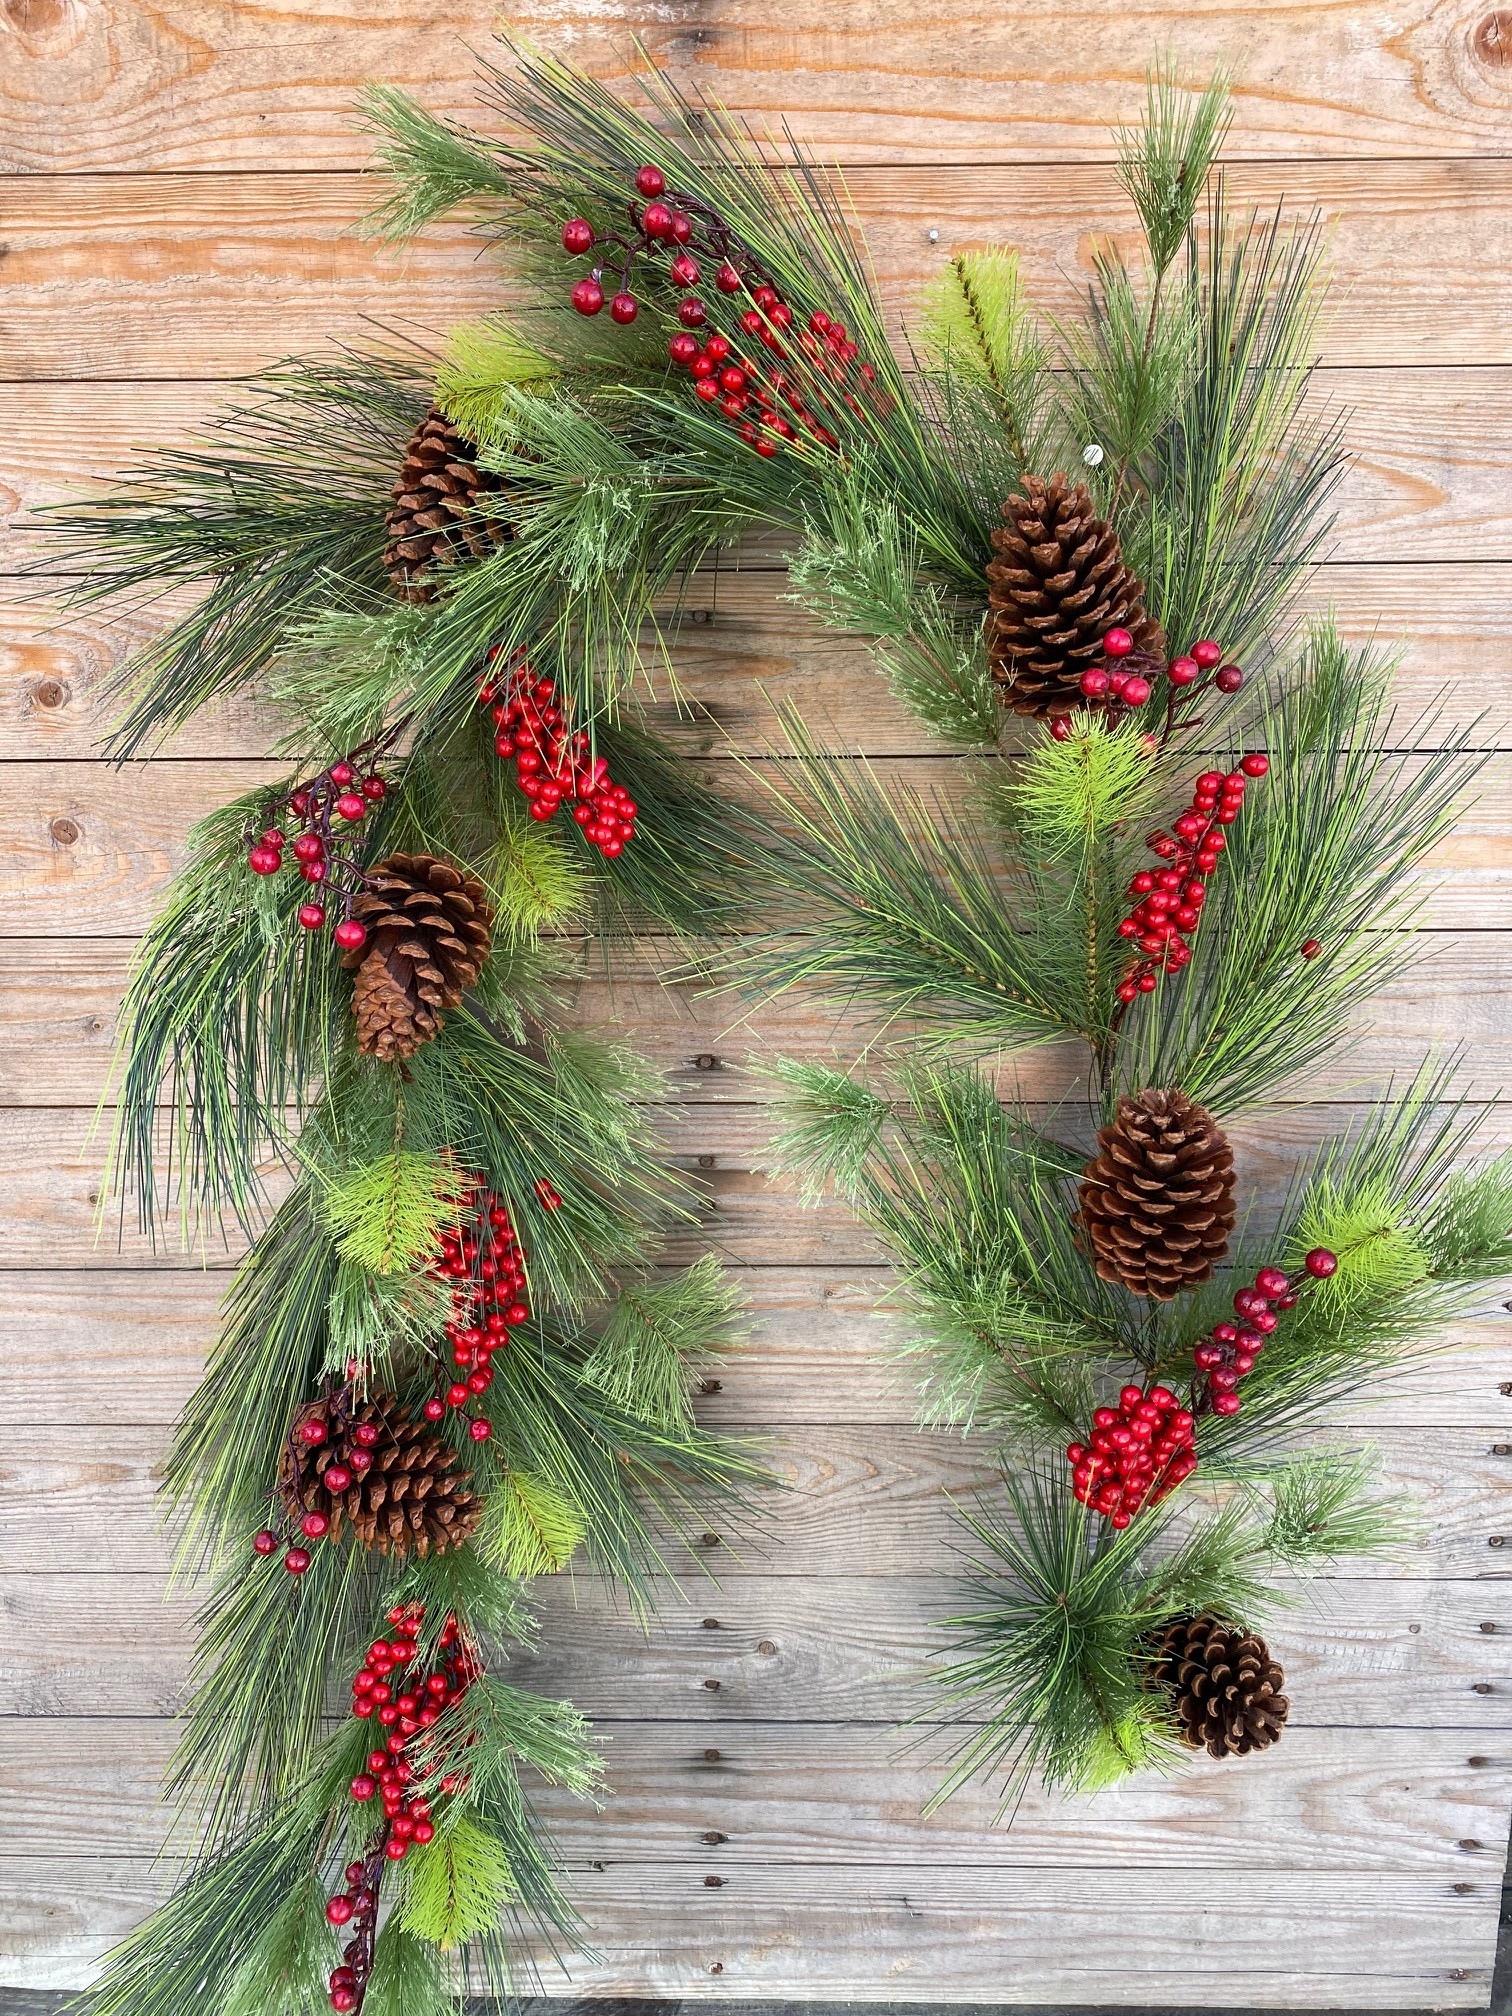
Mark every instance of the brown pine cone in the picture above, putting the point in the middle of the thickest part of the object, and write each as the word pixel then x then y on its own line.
pixel 1058 585
pixel 439 514
pixel 1225 1688
pixel 429 928
pixel 1157 1201
pixel 396 1482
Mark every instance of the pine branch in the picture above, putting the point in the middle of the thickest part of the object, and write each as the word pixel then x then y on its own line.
pixel 659 1337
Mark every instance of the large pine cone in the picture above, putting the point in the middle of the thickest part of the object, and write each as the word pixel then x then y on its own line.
pixel 1225 1688
pixel 402 1494
pixel 1058 585
pixel 440 512
pixel 1157 1200
pixel 429 929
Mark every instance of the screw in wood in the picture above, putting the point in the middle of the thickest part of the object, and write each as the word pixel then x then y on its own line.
pixel 714 1837
pixel 714 1882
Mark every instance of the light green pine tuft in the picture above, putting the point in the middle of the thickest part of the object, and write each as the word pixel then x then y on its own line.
pixel 1068 795
pixel 481 357
pixel 977 320
pixel 539 885
pixel 457 1884
pixel 530 1526
pixel 408 1978
pixel 1363 1224
pixel 388 1215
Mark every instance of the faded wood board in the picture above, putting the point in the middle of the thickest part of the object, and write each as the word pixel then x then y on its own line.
pixel 185 215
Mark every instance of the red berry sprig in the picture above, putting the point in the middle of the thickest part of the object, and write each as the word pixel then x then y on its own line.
pixel 405 1706
pixel 769 405
pixel 1229 1350
pixel 325 1420
pixel 1170 899
pixel 320 811
pixel 554 768
pixel 484 1259
pixel 1126 678
pixel 1136 1453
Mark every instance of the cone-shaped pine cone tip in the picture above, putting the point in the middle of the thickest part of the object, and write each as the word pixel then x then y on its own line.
pixel 1058 585
pixel 396 1483
pixel 440 511
pixel 1224 1686
pixel 429 928
pixel 1157 1200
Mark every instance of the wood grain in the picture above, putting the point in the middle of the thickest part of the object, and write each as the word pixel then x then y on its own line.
pixel 862 1500
pixel 1442 488
pixel 115 86
pixel 738 650
pixel 211 276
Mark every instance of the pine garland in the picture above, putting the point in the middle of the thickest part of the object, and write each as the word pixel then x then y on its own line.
pixel 1197 889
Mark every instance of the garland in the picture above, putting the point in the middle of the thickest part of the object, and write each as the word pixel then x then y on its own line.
pixel 1183 838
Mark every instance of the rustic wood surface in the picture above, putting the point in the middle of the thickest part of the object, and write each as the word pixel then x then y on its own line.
pixel 183 186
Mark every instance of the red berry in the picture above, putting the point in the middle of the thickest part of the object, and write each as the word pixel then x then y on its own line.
pixel 1226 1403
pixel 1094 682
pixel 1312 948
pixel 1320 1263
pixel 339 1910
pixel 656 220
pixel 1206 653
pixel 343 2000
pixel 1255 765
pixel 1181 671
pixel 1117 642
pixel 480 1430
pixel 363 1787
pixel 311 916
pixel 433 1409
pixel 727 280
pixel 296 1560
pixel 588 297
pixel 308 847
pixel 351 805
pixel 691 313
pixel 313 871
pixel 1060 726
pixel 315 1525
pixel 685 270
pixel 548 1198
pixel 313 1431
pixel 682 228
pixel 374 788
pixel 650 180
pixel 396 1850
pixel 456 1395
pixel 1228 679
pixel 1136 692
pixel 1271 1282
pixel 424 1832
pixel 264 860
pixel 577 236
pixel 349 934
pixel 264 1542
pixel 683 348
pixel 624 308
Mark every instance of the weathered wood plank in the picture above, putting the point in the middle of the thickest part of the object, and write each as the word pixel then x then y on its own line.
pixel 859 1500
pixel 1443 485
pixel 805 1794
pixel 941 81
pixel 52 1181
pixel 1303 1939
pixel 59 1000
pixel 209 276
pixel 740 651
pixel 784 1649
pixel 90 849
pixel 817 1339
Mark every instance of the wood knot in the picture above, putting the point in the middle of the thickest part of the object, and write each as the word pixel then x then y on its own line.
pixel 1468 1842
pixel 766 1648
pixel 707 1386
pixel 49 693
pixel 714 1837
pixel 709 1539
pixel 711 1623
pixel 711 1756
pixel 1491 39
pixel 706 1061
pixel 64 832
pixel 712 1685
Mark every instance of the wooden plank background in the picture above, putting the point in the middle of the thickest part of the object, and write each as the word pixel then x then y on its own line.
pixel 182 182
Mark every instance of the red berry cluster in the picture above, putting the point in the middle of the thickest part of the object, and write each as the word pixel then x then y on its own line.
pixel 1126 678
pixel 343 794
pixel 324 1420
pixel 1170 899
pixel 484 1260
pixel 1230 1349
pixel 553 767
pixel 405 1707
pixel 770 405
pixel 1139 1450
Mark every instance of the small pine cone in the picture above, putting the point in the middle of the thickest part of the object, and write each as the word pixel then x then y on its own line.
pixel 1157 1201
pixel 1058 585
pixel 1225 1688
pixel 405 1498
pixel 439 514
pixel 429 929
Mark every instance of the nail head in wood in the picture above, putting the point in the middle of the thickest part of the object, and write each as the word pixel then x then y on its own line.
pixel 714 1837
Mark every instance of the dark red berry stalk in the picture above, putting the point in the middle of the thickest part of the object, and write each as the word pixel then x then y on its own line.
pixel 1230 1350
pixel 1136 1453
pixel 323 811
pixel 554 768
